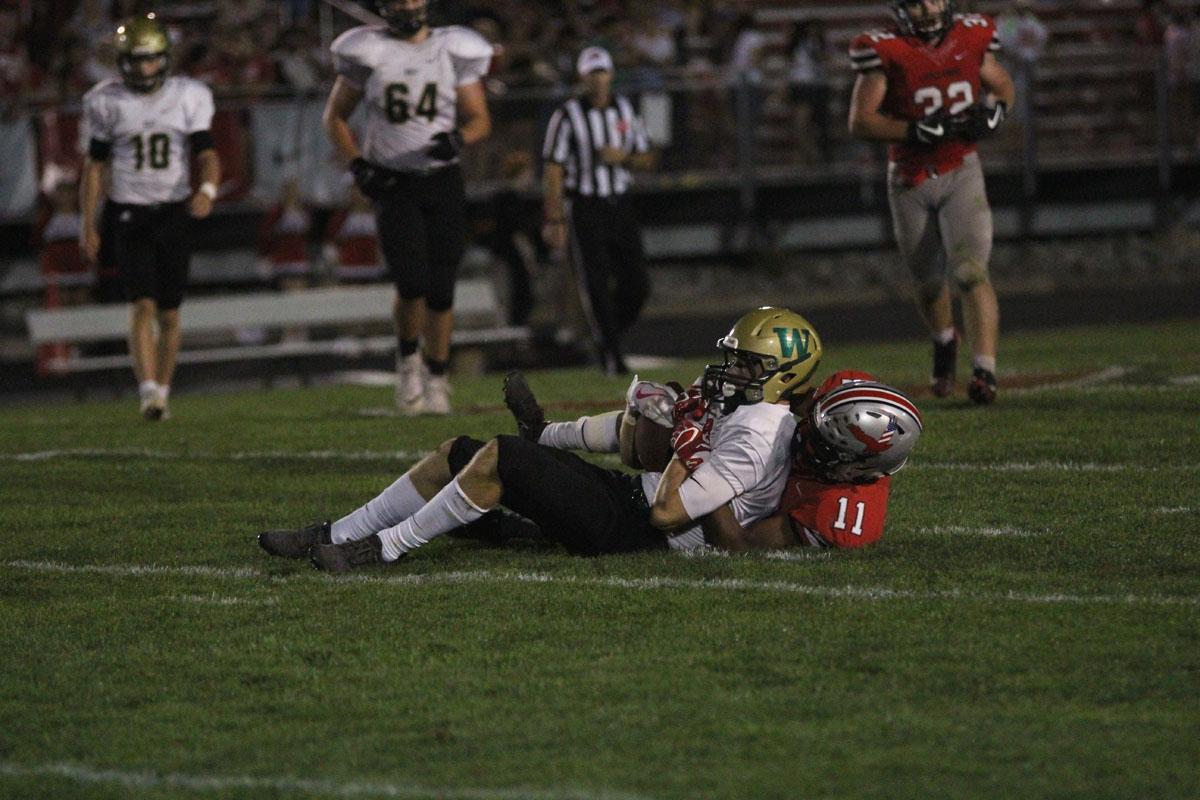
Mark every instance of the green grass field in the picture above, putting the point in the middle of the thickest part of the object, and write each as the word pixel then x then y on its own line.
pixel 1028 627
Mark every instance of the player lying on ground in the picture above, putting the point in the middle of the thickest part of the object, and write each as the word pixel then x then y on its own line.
pixel 770 355
pixel 854 433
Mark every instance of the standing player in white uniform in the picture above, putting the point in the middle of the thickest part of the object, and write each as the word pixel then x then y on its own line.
pixel 731 447
pixel 144 130
pixel 424 100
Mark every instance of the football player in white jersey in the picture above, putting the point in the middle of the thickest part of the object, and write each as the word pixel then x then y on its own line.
pixel 731 445
pixel 143 130
pixel 424 98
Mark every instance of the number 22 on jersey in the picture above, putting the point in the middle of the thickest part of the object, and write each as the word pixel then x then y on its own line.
pixel 959 93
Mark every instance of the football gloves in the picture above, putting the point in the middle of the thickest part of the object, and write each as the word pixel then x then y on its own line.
pixel 655 401
pixel 371 180
pixel 691 440
pixel 446 145
pixel 979 121
pixel 933 129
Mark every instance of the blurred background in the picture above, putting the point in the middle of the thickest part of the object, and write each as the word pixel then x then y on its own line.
pixel 760 196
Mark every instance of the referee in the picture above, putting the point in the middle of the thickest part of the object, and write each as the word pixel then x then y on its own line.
pixel 591 143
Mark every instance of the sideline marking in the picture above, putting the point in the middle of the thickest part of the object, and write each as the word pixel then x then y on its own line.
pixel 615 582
pixel 328 788
pixel 1085 381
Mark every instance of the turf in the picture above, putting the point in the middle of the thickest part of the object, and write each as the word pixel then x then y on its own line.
pixel 1029 626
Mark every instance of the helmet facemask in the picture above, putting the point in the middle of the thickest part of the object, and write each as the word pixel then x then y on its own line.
pixel 401 21
pixel 930 31
pixel 138 81
pixel 740 380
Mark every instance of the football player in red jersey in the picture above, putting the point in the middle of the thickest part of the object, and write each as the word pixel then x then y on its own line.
pixel 931 87
pixel 854 436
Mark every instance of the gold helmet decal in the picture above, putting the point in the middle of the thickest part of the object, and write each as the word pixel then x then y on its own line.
pixel 140 39
pixel 770 355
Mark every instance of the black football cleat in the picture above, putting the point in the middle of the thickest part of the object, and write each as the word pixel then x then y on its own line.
pixel 945 357
pixel 982 389
pixel 349 555
pixel 295 542
pixel 531 420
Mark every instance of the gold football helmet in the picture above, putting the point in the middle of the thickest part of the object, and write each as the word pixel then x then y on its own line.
pixel 140 39
pixel 770 355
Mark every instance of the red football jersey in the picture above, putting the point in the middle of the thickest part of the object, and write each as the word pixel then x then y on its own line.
pixel 835 514
pixel 923 78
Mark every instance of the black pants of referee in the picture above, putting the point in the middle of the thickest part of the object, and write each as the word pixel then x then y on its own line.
pixel 606 246
pixel 588 509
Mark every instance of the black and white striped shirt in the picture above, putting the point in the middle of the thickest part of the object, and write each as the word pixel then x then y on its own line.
pixel 575 135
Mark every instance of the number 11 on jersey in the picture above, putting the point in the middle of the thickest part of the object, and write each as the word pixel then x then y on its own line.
pixel 843 507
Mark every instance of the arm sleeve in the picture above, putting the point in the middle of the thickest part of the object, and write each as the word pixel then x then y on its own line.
pixel 704 491
pixel 201 141
pixel 863 54
pixel 99 150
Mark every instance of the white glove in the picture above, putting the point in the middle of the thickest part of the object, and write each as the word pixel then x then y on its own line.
pixel 655 401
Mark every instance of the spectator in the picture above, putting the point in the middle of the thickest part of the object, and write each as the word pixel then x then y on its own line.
pixel 808 79
pixel 64 272
pixel 1150 25
pixel 1178 44
pixel 512 234
pixel 745 54
pixel 299 66
pixel 1022 35
pixel 352 243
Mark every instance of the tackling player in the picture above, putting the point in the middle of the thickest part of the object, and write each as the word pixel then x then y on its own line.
pixel 855 435
pixel 423 92
pixel 142 131
pixel 931 87
pixel 731 445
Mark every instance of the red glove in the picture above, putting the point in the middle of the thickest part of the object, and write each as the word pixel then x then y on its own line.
pixel 690 405
pixel 690 441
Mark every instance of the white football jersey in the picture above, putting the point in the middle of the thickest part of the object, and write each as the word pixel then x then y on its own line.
pixel 149 132
pixel 410 89
pixel 751 450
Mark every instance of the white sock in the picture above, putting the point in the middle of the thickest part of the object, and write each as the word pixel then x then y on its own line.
pixel 447 510
pixel 598 434
pixel 396 503
pixel 164 391
pixel 147 389
pixel 985 362
pixel 944 336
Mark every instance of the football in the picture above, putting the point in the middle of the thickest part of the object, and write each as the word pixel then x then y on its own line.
pixel 653 444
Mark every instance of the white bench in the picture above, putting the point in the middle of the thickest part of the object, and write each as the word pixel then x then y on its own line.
pixel 477 313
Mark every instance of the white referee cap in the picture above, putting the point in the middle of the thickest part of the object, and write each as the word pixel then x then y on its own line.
pixel 592 59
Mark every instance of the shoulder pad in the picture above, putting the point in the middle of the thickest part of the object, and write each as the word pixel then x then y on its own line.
pixel 349 42
pixel 463 42
pixel 102 88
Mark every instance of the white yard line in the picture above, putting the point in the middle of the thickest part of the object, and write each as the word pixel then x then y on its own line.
pixel 1085 381
pixel 962 530
pixel 1173 510
pixel 616 582
pixel 220 784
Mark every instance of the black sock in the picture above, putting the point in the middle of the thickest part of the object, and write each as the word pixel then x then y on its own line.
pixel 437 367
pixel 407 346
